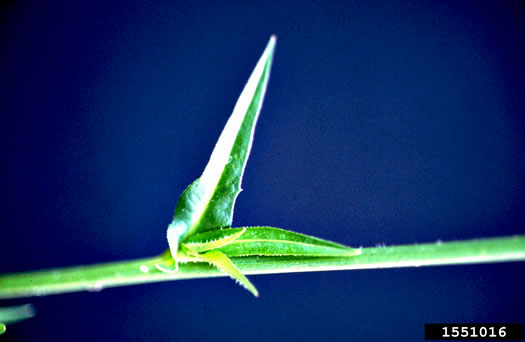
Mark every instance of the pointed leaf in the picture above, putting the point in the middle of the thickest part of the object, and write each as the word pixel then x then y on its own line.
pixel 227 237
pixel 269 241
pixel 208 202
pixel 224 263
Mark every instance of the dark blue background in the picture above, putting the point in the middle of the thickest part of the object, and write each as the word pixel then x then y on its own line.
pixel 387 122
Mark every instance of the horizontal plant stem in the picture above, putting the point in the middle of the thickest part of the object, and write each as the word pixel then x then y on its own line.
pixel 98 276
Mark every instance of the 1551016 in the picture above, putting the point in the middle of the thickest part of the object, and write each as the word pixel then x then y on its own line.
pixel 494 332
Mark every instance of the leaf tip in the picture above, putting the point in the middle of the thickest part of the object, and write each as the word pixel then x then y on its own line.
pixel 273 39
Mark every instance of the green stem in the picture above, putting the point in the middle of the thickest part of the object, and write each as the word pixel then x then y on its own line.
pixel 99 276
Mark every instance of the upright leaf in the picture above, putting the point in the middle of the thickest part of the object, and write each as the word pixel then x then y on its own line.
pixel 208 202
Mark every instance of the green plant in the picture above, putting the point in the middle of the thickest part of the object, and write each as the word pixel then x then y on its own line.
pixel 200 236
pixel 13 314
